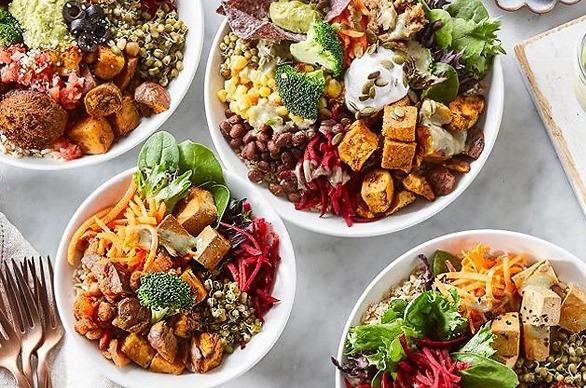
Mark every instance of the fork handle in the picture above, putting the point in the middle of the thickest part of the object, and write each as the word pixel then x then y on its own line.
pixel 20 378
pixel 44 376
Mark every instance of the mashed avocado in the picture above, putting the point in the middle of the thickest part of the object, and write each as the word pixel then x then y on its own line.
pixel 42 22
pixel 293 15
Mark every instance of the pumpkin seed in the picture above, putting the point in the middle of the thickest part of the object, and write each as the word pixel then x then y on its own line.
pixel 381 83
pixel 371 36
pixel 363 97
pixel 337 139
pixel 398 59
pixel 367 86
pixel 388 45
pixel 387 64
pixel 374 75
pixel 399 112
pixel 371 49
pixel 369 110
pixel 372 92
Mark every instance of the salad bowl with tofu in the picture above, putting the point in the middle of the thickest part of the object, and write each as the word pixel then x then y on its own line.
pixel 175 273
pixel 372 115
pixel 482 308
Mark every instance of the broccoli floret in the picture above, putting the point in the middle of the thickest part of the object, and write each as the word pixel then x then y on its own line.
pixel 322 47
pixel 10 30
pixel 164 294
pixel 300 92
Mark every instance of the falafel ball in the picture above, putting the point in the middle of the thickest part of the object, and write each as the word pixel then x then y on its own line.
pixel 31 120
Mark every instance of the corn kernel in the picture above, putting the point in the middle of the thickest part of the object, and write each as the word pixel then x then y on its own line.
pixel 282 111
pixel 245 103
pixel 241 90
pixel 230 85
pixel 265 91
pixel 253 95
pixel 222 95
pixel 275 99
pixel 333 88
pixel 272 83
pixel 234 107
pixel 251 114
pixel 296 119
pixel 238 63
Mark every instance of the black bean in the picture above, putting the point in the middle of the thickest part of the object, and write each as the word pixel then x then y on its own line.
pixel 249 137
pixel 236 143
pixel 249 152
pixel 237 131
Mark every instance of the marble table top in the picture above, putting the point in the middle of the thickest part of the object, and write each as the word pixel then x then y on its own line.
pixel 522 187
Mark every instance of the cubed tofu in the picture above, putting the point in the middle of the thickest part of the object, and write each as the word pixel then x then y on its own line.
pixel 398 155
pixel 405 101
pixel 465 112
pixel 573 311
pixel 211 248
pixel 416 183
pixel 196 285
pixel 540 306
pixel 401 199
pixel 175 238
pixel 507 336
pixel 539 274
pixel 160 365
pixel 94 135
pixel 377 190
pixel 127 118
pixel 357 145
pixel 536 342
pixel 138 349
pixel 197 211
pixel 399 123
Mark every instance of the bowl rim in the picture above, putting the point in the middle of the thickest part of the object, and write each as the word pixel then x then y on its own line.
pixel 358 230
pixel 422 247
pixel 92 160
pixel 286 246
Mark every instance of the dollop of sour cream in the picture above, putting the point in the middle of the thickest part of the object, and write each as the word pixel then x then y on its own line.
pixel 390 85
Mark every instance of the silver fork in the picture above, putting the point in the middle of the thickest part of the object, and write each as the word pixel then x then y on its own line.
pixel 25 316
pixel 44 293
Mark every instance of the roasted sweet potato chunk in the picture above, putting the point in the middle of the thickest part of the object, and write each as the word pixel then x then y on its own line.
pixel 138 349
pixel 108 64
pixel 160 365
pixel 465 112
pixel 206 353
pixel 123 79
pixel 416 183
pixel 127 118
pixel 196 285
pixel 153 96
pixel 402 199
pixel 377 190
pixel 93 134
pixel 103 100
pixel 357 146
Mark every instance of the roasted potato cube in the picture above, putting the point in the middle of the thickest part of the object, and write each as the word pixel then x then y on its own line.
pixel 94 135
pixel 540 274
pixel 507 336
pixel 138 349
pixel 103 100
pixel 465 112
pixel 416 183
pixel 362 210
pixel 197 211
pixel 377 190
pixel 442 180
pixel 153 96
pixel 401 199
pixel 397 155
pixel 211 248
pixel 458 165
pixel 536 341
pixel 196 285
pixel 116 355
pixel 573 314
pixel 108 64
pixel 540 306
pixel 474 143
pixel 123 79
pixel 127 118
pixel 399 123
pixel 357 146
pixel 184 326
pixel 206 352
pixel 160 365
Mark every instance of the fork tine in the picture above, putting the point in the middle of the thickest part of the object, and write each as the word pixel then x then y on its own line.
pixel 30 306
pixel 7 327
pixel 13 301
pixel 43 297
pixel 55 315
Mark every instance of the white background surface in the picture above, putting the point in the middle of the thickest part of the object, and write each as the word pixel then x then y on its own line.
pixel 521 188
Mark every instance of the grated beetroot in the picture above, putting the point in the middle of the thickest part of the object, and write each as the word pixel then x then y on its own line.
pixel 151 6
pixel 255 263
pixel 326 188
pixel 428 367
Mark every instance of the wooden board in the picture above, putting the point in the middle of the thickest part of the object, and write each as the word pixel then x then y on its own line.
pixel 548 62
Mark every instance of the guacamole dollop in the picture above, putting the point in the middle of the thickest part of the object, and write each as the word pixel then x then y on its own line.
pixel 293 15
pixel 42 22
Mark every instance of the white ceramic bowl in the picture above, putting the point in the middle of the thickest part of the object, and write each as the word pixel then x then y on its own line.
pixel 335 226
pixel 191 12
pixel 567 266
pixel 235 364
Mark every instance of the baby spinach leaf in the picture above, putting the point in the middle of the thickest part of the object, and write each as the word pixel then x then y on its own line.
pixel 201 161
pixel 485 373
pixel 443 35
pixel 446 90
pixel 159 149
pixel 174 191
pixel 481 343
pixel 468 9
pixel 221 195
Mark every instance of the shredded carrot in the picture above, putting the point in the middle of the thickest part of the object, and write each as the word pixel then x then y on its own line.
pixel 484 282
pixel 79 233
pixel 120 206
